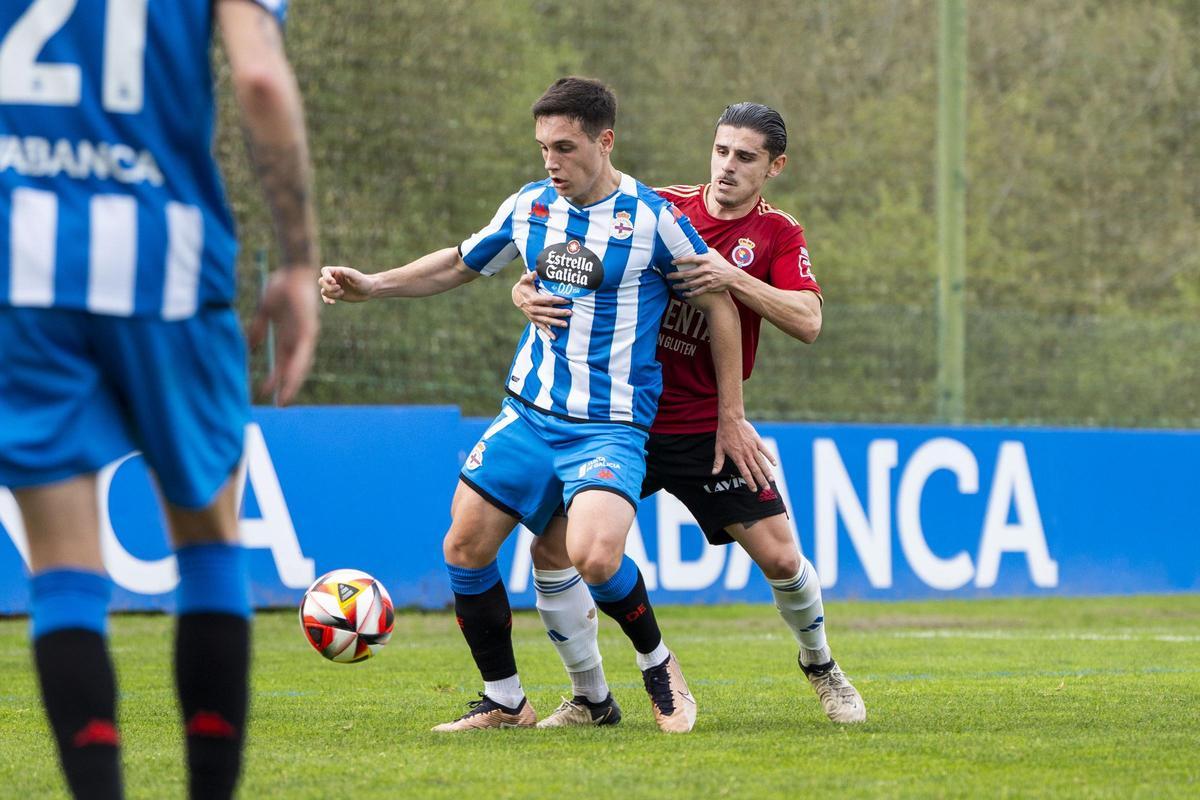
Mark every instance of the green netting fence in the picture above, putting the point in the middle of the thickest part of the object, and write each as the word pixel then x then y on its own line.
pixel 1083 231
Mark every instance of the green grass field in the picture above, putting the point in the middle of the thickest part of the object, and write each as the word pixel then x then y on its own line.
pixel 1013 698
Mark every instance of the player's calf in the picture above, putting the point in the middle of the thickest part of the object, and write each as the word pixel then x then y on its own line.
pixel 69 609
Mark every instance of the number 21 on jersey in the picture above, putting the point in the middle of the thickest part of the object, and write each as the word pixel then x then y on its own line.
pixel 25 79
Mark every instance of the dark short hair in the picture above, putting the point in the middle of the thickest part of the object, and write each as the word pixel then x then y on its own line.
pixel 763 119
pixel 589 102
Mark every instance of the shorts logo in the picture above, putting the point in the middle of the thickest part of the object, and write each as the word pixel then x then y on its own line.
pixel 724 486
pixel 622 225
pixel 570 269
pixel 767 495
pixel 602 466
pixel 475 460
pixel 743 254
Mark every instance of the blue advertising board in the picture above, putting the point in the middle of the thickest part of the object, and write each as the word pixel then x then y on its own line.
pixel 882 512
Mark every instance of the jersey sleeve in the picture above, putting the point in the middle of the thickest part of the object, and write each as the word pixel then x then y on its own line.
pixel 492 248
pixel 677 237
pixel 276 8
pixel 790 268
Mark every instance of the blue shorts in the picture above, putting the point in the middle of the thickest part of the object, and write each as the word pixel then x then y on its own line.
pixel 79 390
pixel 528 463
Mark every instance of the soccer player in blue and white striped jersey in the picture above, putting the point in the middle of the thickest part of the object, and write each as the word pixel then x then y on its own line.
pixel 572 430
pixel 117 333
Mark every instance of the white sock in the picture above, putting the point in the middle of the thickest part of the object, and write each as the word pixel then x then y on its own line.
pixel 655 657
pixel 590 684
pixel 506 692
pixel 569 614
pixel 799 602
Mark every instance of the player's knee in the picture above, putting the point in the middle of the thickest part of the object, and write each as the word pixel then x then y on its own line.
pixel 462 551
pixel 780 564
pixel 598 565
pixel 549 554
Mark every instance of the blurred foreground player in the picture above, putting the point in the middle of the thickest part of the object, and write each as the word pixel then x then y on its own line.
pixel 117 332
pixel 769 276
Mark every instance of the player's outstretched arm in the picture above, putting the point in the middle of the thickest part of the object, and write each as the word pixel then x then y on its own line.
pixel 435 273
pixel 545 311
pixel 736 438
pixel 273 119
pixel 796 313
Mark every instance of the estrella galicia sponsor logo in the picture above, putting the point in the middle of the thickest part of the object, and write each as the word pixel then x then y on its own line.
pixel 599 465
pixel 569 269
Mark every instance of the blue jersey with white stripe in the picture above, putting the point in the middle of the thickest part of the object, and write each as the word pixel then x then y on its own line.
pixel 110 200
pixel 611 260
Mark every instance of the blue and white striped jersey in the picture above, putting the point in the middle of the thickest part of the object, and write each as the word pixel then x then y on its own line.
pixel 110 200
pixel 610 259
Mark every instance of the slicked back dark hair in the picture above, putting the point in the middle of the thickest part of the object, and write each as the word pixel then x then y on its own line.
pixel 757 117
pixel 589 102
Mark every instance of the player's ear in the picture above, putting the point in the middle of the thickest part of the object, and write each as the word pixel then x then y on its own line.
pixel 777 165
pixel 607 138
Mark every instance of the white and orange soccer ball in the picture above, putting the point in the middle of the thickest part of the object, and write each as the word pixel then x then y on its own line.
pixel 347 616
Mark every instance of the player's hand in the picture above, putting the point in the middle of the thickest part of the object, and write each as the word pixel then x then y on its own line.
pixel 545 311
pixel 710 273
pixel 345 283
pixel 739 442
pixel 290 303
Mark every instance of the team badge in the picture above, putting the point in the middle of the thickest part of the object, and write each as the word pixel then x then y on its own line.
pixel 743 254
pixel 475 460
pixel 622 225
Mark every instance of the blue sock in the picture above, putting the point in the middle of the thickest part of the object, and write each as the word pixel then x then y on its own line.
pixel 468 580
pixel 69 598
pixel 619 585
pixel 212 579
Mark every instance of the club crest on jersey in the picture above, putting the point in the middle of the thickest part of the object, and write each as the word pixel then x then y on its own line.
pixel 743 254
pixel 475 460
pixel 569 269
pixel 540 210
pixel 622 225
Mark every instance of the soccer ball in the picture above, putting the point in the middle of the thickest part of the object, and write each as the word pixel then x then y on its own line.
pixel 347 616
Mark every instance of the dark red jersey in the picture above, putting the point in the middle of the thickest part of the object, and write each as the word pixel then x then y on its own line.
pixel 768 244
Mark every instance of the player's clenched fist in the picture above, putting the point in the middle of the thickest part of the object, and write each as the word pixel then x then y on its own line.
pixel 345 283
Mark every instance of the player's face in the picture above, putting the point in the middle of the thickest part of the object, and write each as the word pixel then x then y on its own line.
pixel 574 161
pixel 740 166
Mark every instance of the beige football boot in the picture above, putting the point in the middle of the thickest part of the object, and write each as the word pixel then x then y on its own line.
pixel 839 698
pixel 578 711
pixel 674 706
pixel 487 713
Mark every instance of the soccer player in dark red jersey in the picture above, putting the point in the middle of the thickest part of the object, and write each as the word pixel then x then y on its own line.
pixel 770 277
